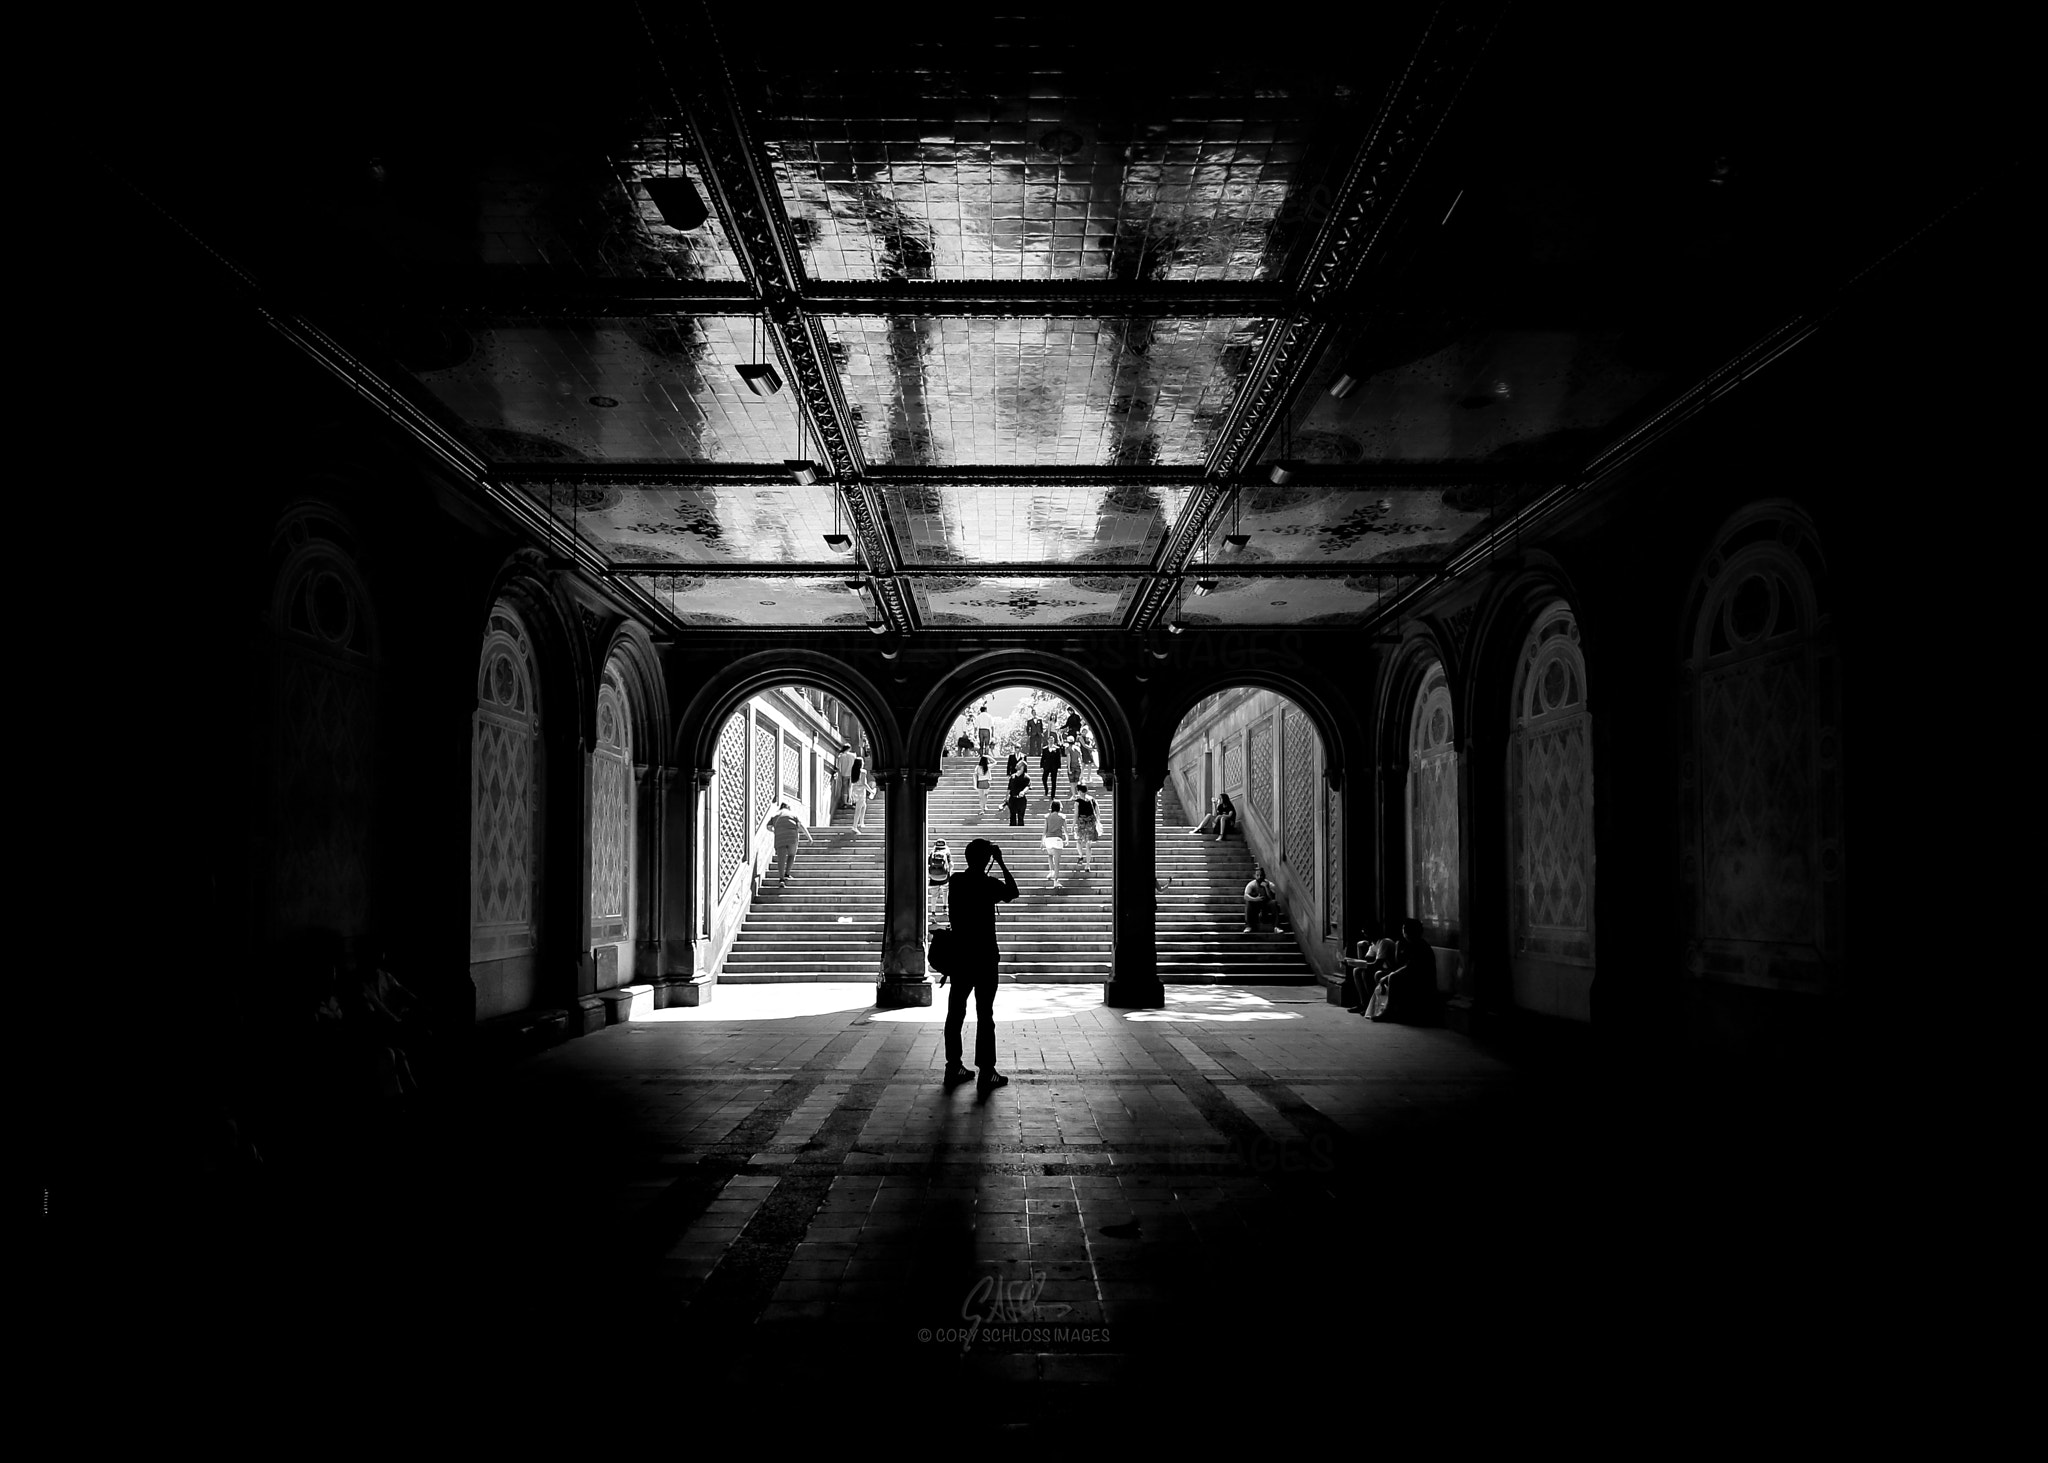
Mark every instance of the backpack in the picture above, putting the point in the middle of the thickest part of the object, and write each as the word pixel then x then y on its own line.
pixel 1382 998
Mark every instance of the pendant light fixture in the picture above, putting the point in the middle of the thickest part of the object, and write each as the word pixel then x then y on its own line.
pixel 838 540
pixel 804 472
pixel 1237 538
pixel 676 196
pixel 1283 470
pixel 760 377
pixel 1203 583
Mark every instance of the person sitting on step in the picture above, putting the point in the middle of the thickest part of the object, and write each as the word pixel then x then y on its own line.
pixel 1262 902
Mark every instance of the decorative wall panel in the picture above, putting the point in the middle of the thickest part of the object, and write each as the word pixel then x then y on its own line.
pixel 1756 764
pixel 1298 805
pixel 1284 601
pixel 1261 791
pixel 1233 769
pixel 325 749
pixel 766 770
pixel 1433 883
pixel 764 524
pixel 1762 811
pixel 942 525
pixel 504 794
pixel 732 801
pixel 611 849
pixel 792 767
pixel 1333 866
pixel 966 601
pixel 1550 793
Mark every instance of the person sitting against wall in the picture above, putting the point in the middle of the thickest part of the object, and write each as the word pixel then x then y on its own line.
pixel 1410 987
pixel 1362 972
pixel 1262 903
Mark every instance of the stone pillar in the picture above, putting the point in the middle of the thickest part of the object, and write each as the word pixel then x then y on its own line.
pixel 677 980
pixel 903 981
pixel 1134 913
pixel 587 1010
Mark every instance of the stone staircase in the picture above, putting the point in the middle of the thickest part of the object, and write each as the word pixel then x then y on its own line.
pixel 827 925
pixel 1047 935
pixel 1201 913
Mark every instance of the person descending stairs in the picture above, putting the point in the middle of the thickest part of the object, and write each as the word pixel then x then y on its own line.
pixel 827 924
pixel 1202 911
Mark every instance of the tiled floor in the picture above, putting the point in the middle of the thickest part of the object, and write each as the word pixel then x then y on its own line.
pixel 772 1198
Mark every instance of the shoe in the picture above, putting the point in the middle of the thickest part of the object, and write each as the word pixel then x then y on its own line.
pixel 956 1075
pixel 1246 930
pixel 991 1080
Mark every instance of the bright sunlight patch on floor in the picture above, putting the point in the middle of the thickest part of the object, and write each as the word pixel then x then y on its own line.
pixel 776 1002
pixel 1217 1003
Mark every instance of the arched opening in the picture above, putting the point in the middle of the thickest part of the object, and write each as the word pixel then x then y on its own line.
pixel 1550 814
pixel 794 856
pixel 324 716
pixel 506 825
pixel 1023 766
pixel 1433 886
pixel 1761 857
pixel 1247 845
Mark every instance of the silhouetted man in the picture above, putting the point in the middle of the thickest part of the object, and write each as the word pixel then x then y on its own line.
pixel 1261 901
pixel 971 900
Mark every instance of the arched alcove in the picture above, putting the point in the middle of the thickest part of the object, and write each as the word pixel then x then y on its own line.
pixel 1549 781
pixel 506 817
pixel 1434 886
pixel 1761 822
pixel 324 720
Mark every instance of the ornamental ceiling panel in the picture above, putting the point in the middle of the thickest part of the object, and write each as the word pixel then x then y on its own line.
pixel 720 525
pixel 1042 392
pixel 969 602
pixel 767 601
pixel 593 218
pixel 1283 601
pixel 656 388
pixel 1055 524
pixel 1492 395
pixel 896 172
pixel 1300 524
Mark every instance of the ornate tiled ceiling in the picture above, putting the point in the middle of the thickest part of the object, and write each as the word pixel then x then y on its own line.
pixel 725 526
pixel 1044 392
pixel 935 174
pixel 1045 298
pixel 967 602
pixel 660 389
pixel 1072 524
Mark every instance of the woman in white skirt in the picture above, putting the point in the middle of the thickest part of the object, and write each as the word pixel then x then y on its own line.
pixel 1055 839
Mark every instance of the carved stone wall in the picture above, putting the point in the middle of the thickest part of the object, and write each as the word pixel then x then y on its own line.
pixel 1261 791
pixel 732 801
pixel 1299 803
pixel 611 833
pixel 504 794
pixel 1433 808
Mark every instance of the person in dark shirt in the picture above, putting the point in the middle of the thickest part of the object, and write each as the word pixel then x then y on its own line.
pixel 971 900
pixel 1411 986
pixel 1073 725
pixel 1049 763
pixel 1020 793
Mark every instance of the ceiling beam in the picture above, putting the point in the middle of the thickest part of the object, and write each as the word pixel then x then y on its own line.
pixel 1078 299
pixel 1032 570
pixel 1343 247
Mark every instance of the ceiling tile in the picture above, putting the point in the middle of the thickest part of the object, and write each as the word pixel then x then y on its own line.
pixel 1491 396
pixel 1322 525
pixel 597 221
pixel 1041 392
pixel 1290 601
pixel 1010 525
pixel 968 601
pixel 1042 175
pixel 730 525
pixel 768 601
pixel 659 388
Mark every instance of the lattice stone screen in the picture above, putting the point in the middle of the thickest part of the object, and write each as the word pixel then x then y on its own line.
pixel 1433 807
pixel 1262 771
pixel 504 794
pixel 1756 761
pixel 1233 768
pixel 1299 805
pixel 765 772
pixel 610 811
pixel 792 767
pixel 1333 867
pixel 732 800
